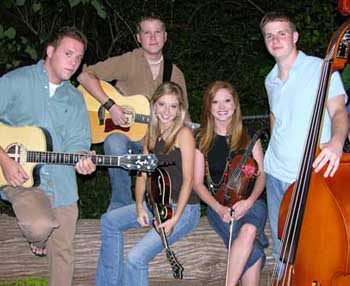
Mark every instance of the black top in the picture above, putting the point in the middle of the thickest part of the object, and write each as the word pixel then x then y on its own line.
pixel 216 158
pixel 174 168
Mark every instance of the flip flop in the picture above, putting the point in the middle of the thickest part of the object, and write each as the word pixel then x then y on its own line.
pixel 38 251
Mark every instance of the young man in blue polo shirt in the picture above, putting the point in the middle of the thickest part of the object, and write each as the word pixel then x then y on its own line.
pixel 42 95
pixel 292 86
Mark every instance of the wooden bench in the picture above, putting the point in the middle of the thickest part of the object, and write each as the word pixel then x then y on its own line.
pixel 201 253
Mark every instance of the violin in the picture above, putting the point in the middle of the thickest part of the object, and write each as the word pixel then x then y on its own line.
pixel 314 216
pixel 242 173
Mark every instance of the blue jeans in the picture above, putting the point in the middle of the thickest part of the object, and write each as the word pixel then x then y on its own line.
pixel 275 190
pixel 111 266
pixel 255 216
pixel 118 144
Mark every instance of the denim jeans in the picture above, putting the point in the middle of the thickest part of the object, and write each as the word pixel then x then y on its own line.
pixel 255 216
pixel 118 144
pixel 111 265
pixel 275 190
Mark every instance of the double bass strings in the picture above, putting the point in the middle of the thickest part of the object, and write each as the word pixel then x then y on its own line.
pixel 291 229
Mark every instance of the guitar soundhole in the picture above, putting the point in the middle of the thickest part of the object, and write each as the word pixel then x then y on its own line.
pixel 14 151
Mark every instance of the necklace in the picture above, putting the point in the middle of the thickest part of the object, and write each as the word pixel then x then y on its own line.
pixel 213 187
pixel 155 62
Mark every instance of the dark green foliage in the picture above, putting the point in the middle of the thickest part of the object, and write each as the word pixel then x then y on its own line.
pixel 208 39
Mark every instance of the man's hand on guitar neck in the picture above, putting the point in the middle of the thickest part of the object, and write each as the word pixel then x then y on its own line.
pixel 85 166
pixel 13 172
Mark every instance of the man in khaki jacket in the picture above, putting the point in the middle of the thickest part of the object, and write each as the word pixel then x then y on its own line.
pixel 138 72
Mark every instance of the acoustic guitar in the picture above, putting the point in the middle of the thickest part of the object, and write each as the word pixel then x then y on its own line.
pixel 30 146
pixel 101 123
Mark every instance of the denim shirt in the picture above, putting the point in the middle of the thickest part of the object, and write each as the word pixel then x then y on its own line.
pixel 25 100
pixel 291 102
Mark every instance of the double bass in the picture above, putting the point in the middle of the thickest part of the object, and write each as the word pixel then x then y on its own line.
pixel 314 217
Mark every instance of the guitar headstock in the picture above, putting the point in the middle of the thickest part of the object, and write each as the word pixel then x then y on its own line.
pixel 175 265
pixel 139 162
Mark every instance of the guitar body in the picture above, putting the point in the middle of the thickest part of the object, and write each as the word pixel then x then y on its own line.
pixel 31 137
pixel 137 104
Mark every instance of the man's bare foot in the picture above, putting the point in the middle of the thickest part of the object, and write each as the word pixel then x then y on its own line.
pixel 38 251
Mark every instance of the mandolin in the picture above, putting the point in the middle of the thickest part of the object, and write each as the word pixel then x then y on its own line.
pixel 158 199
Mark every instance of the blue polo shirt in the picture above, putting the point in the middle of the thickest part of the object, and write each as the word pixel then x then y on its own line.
pixel 25 100
pixel 291 103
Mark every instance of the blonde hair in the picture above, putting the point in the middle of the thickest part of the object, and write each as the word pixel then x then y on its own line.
pixel 238 138
pixel 153 129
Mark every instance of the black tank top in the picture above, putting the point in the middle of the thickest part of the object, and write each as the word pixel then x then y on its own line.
pixel 173 158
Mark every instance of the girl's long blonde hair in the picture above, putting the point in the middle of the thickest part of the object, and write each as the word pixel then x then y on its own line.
pixel 153 129
pixel 238 138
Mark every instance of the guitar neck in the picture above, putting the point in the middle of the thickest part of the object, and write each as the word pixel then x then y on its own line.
pixel 141 118
pixel 70 159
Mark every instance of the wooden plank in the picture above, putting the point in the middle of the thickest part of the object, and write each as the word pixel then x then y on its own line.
pixel 202 254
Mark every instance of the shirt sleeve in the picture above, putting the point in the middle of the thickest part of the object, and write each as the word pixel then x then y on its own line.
pixel 337 87
pixel 114 68
pixel 7 93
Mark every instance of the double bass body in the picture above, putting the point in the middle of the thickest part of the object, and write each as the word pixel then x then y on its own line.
pixel 323 251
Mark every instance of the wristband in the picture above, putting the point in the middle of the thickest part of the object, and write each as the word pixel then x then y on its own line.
pixel 108 104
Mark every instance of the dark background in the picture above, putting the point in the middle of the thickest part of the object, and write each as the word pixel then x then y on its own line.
pixel 207 39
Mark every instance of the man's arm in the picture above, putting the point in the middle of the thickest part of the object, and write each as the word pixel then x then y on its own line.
pixel 92 84
pixel 332 150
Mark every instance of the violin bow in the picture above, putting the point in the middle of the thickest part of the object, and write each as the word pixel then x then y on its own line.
pixel 232 222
